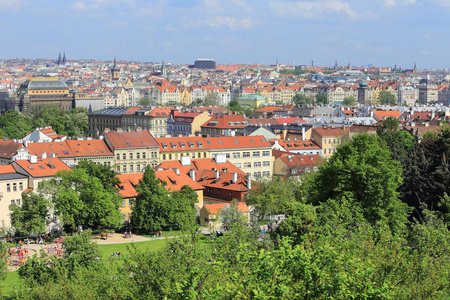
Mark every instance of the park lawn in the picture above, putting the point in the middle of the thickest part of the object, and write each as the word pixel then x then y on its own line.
pixel 123 248
pixel 11 283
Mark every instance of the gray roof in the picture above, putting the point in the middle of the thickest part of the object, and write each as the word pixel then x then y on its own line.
pixel 9 176
pixel 116 111
pixel 47 84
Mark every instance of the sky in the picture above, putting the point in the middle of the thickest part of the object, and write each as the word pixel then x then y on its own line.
pixel 361 32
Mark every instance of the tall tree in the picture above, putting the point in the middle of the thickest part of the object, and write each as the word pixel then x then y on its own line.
pixel 182 205
pixel 386 97
pixel 364 171
pixel 150 209
pixel 321 99
pixel 349 101
pixel 212 99
pixel 30 217
pixel 82 199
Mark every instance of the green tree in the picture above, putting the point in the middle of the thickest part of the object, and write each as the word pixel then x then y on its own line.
pixel 14 124
pixel 151 208
pixel 386 97
pixel 364 171
pixel 182 205
pixel 230 215
pixel 349 101
pixel 82 199
pixel 321 99
pixel 144 101
pixel 301 99
pixel 212 99
pixel 30 217
pixel 234 106
pixel 105 173
pixel 273 196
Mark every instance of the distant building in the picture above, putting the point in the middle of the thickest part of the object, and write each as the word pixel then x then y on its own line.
pixel 41 91
pixel 204 63
pixel 115 71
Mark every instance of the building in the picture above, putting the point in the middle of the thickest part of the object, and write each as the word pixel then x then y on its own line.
pixel 209 214
pixel 41 91
pixel 289 164
pixel 129 119
pixel 252 154
pixel 220 125
pixel 12 185
pixel 186 124
pixel 115 71
pixel 173 180
pixel 329 138
pixel 428 93
pixel 204 63
pixel 407 95
pixel 133 150
pixel 297 146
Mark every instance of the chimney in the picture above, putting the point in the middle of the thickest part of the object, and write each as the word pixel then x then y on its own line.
pixel 52 155
pixel 25 143
pixel 177 171
pixel 303 133
pixel 192 174
pixel 221 158
pixel 185 161
pixel 249 181
pixel 119 129
pixel 33 159
pixel 44 155
pixel 217 174
pixel 234 180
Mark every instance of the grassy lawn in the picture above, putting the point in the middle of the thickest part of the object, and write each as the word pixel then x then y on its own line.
pixel 11 283
pixel 107 250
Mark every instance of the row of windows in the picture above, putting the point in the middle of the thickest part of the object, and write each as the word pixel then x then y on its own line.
pixel 171 156
pixel 329 151
pixel 256 164
pixel 15 201
pixel 131 168
pixel 14 187
pixel 130 202
pixel 331 140
pixel 138 155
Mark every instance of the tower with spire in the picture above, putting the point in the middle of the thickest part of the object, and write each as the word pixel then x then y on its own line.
pixel 278 67
pixel 64 58
pixel 115 71
pixel 163 69
pixel 59 59
pixel 336 65
pixel 415 69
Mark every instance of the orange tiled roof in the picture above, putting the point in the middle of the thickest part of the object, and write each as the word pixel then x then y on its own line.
pixel 5 169
pixel 216 208
pixel 226 121
pixel 338 131
pixel 46 167
pixel 385 114
pixel 89 147
pixel 201 144
pixel 298 145
pixel 200 164
pixel 131 139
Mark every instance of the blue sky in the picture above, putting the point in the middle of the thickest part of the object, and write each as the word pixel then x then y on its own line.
pixel 381 32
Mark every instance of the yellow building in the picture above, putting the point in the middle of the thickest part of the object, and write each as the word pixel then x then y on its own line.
pixel 43 91
pixel 185 97
pixel 329 138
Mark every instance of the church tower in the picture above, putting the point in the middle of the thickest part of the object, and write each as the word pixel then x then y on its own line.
pixel 415 69
pixel 163 69
pixel 59 59
pixel 64 58
pixel 278 67
pixel 115 71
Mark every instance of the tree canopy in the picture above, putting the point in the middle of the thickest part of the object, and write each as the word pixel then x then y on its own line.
pixel 349 101
pixel 386 97
pixel 30 217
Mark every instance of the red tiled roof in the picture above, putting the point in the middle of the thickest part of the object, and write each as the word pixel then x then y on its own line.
pixel 338 131
pixel 89 147
pixel 5 169
pixel 223 121
pixel 200 164
pixel 216 208
pixel 201 144
pixel 131 139
pixel 298 145
pixel 46 167
pixel 60 149
pixel 9 148
pixel 385 114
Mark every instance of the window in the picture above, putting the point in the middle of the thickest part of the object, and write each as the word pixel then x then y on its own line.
pixel 236 155
pixel 20 186
pixel 247 165
pixel 124 168
pixel 8 187
pixel 256 154
pixel 118 156
pixel 124 217
pixel 210 190
pixel 130 202
pixel 246 154
pixel 193 155
pixel 138 167
pixel 118 169
pixel 124 156
pixel 257 164
pixel 266 153
pixel 257 174
pixel 131 155
pixel 238 165
pixel 131 168
pixel 143 155
pixel 170 156
pixel 138 155
pixel 13 201
pixel 204 154
pixel 14 187
pixel 164 157
pixel 266 173
pixel 266 163
pixel 227 155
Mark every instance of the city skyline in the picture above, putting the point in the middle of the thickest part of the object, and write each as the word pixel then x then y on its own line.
pixel 382 33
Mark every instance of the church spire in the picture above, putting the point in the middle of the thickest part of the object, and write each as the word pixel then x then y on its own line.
pixel 64 58
pixel 59 59
pixel 278 66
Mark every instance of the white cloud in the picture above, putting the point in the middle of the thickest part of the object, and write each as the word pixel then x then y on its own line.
pixel 442 2
pixel 213 6
pixel 11 4
pixel 232 23
pixel 78 6
pixel 427 37
pixel 391 3
pixel 311 10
